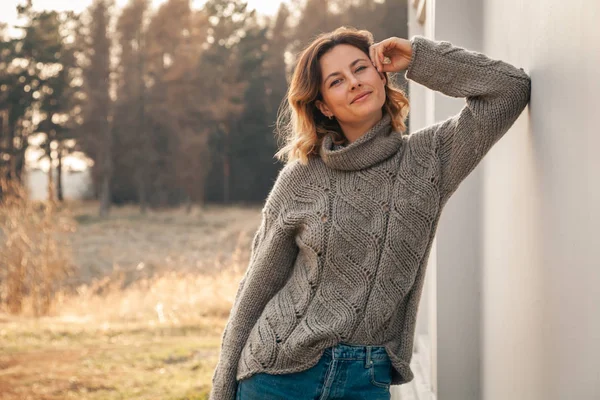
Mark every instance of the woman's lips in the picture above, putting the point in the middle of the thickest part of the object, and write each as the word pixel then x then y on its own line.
pixel 361 98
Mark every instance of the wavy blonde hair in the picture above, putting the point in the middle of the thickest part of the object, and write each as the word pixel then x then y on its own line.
pixel 300 123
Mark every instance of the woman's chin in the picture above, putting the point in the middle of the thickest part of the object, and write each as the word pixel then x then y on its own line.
pixel 362 114
pixel 369 113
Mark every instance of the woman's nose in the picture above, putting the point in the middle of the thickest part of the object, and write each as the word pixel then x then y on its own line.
pixel 354 83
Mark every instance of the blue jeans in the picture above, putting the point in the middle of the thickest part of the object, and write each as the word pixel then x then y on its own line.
pixel 348 372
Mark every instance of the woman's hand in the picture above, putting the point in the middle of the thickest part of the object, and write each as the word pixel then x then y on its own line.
pixel 391 55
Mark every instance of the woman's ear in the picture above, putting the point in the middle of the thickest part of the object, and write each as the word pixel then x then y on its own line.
pixel 383 77
pixel 323 108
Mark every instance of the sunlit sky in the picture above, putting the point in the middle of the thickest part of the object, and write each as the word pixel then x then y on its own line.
pixel 8 12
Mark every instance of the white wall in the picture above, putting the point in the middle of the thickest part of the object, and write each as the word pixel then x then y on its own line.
pixel 423 362
pixel 541 286
pixel 454 298
pixel 459 237
pixel 517 273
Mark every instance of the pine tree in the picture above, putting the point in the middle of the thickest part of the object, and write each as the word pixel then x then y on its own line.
pixel 222 86
pixel 18 80
pixel 132 142
pixel 98 107
pixel 56 91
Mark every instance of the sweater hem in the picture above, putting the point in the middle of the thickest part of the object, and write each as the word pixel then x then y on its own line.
pixel 402 367
pixel 280 371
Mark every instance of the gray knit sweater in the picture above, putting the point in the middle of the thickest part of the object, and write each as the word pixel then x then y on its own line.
pixel 342 249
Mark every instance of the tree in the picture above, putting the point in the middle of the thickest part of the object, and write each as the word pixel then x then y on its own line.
pixel 222 86
pixel 56 91
pixel 132 150
pixel 252 140
pixel 316 17
pixel 176 39
pixel 98 109
pixel 18 80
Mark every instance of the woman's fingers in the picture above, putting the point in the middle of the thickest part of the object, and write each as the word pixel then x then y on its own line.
pixel 374 56
pixel 379 52
pixel 391 54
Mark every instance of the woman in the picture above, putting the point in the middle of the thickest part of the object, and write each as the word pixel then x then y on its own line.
pixel 327 307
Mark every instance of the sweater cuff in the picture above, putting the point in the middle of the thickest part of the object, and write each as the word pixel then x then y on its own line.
pixel 413 68
pixel 224 382
pixel 431 67
pixel 224 391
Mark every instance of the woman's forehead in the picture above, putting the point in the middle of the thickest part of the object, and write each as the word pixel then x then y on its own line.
pixel 340 57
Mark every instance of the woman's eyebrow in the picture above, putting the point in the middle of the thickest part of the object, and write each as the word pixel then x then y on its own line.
pixel 351 65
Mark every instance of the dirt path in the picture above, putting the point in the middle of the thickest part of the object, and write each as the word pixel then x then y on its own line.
pixel 58 362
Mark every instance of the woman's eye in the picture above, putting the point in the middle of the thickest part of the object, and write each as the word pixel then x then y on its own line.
pixel 360 68
pixel 334 82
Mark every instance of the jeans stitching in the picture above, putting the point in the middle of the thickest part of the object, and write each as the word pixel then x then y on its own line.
pixel 374 382
pixel 328 379
pixel 322 380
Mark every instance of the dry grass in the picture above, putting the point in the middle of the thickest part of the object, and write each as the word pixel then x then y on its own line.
pixel 144 316
pixel 35 259
pixel 202 241
pixel 170 297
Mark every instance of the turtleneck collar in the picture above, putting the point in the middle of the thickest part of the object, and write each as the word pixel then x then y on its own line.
pixel 374 146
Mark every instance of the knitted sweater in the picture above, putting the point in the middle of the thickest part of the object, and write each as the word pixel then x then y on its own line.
pixel 342 248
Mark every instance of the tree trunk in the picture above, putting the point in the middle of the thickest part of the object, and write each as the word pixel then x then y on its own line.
pixel 226 168
pixel 142 198
pixel 107 164
pixel 50 181
pixel 142 168
pixel 19 164
pixel 188 204
pixel 59 186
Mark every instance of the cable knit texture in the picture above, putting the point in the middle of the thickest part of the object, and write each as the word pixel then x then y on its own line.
pixel 342 248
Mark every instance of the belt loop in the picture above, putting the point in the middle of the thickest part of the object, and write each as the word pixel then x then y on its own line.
pixel 368 361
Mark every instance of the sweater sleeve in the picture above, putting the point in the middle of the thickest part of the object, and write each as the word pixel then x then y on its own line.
pixel 273 252
pixel 496 93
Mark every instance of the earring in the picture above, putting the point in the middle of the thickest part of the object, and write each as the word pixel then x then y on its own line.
pixel 330 116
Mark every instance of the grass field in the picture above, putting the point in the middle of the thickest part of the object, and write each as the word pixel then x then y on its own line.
pixel 143 316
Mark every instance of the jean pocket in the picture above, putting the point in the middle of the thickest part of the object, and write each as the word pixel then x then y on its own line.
pixel 381 373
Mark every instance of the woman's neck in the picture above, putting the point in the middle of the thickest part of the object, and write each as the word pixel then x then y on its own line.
pixel 377 144
pixel 354 130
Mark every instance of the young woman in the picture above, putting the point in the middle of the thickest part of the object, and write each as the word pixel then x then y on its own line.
pixel 327 307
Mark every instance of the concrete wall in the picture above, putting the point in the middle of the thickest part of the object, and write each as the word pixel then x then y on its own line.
pixel 541 270
pixel 515 304
pixel 453 299
pixel 459 240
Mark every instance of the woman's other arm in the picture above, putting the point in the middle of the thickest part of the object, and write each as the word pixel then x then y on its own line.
pixel 273 253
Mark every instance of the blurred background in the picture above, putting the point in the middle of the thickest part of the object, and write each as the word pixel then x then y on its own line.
pixel 136 150
pixel 159 103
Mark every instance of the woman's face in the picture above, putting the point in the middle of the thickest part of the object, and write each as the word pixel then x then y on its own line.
pixel 352 89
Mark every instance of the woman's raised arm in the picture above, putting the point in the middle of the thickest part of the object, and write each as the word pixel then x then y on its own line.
pixel 496 93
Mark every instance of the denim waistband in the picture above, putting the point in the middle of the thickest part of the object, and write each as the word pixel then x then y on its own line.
pixel 345 351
